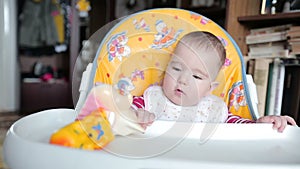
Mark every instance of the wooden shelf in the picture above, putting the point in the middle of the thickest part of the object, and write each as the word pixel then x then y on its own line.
pixel 266 20
pixel 213 11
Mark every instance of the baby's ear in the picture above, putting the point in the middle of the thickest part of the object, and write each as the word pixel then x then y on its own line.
pixel 213 85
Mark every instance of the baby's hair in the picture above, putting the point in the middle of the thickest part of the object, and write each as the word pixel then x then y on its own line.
pixel 207 40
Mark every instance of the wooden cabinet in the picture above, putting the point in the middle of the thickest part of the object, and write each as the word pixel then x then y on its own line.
pixel 40 96
pixel 244 15
pixel 37 96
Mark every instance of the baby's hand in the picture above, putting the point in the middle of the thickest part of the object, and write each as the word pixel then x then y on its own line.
pixel 145 118
pixel 279 122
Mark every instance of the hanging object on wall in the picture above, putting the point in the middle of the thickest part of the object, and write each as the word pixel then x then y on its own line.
pixel 83 7
pixel 44 27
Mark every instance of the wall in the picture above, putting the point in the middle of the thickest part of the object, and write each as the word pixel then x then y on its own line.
pixel 9 71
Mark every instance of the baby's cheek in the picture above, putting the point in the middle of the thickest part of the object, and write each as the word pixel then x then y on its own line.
pixel 203 92
pixel 168 81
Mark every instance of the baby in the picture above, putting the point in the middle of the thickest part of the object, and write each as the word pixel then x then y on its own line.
pixel 185 94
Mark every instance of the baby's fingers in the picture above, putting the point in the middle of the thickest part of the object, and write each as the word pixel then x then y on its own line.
pixel 277 123
pixel 290 120
pixel 145 116
pixel 281 125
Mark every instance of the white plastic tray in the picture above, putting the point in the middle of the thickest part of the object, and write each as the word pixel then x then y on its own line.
pixel 183 146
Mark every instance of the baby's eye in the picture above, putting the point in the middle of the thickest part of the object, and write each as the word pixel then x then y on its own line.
pixel 197 77
pixel 176 68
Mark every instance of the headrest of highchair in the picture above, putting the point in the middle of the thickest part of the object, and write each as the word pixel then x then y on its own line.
pixel 135 52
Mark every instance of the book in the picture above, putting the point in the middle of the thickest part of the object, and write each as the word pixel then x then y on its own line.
pixel 265 7
pixel 275 88
pixel 295 48
pixel 267 37
pixel 279 89
pixel 250 66
pixel 293 34
pixel 294 28
pixel 285 53
pixel 291 91
pixel 261 73
pixel 294 41
pixel 267 47
pixel 270 29
pixel 268 100
pixel 253 94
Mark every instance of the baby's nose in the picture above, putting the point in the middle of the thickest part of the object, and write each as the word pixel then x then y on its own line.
pixel 183 80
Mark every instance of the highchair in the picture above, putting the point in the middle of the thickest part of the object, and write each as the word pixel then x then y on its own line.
pixel 132 56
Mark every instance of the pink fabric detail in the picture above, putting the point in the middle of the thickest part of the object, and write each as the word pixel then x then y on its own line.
pixel 91 104
pixel 55 13
pixel 237 119
pixel 138 102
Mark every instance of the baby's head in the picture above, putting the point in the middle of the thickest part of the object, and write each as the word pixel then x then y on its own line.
pixel 200 42
pixel 196 62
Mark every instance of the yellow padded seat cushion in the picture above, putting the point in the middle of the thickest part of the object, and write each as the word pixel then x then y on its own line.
pixel 135 52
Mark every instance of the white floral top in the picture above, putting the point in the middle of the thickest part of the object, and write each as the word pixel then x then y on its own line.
pixel 210 109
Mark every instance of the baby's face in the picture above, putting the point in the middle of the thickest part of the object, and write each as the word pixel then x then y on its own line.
pixel 186 80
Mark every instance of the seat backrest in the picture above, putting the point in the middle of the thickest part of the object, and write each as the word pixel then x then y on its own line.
pixel 134 54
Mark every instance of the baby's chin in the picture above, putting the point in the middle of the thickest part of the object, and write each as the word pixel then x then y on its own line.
pixel 183 102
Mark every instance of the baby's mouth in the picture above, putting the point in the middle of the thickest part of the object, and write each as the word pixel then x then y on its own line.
pixel 179 92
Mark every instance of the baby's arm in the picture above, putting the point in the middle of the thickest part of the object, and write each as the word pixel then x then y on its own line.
pixel 279 122
pixel 237 119
pixel 145 118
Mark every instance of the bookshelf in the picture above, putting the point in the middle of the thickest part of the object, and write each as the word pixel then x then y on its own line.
pixel 244 15
pixel 279 18
pixel 241 17
pixel 268 19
